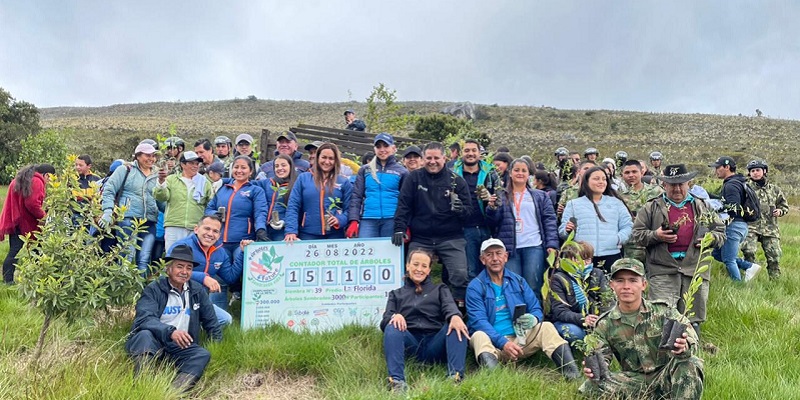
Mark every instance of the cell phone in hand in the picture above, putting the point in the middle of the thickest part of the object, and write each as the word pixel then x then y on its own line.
pixel 519 310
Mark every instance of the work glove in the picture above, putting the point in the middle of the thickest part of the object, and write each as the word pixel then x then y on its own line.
pixel 352 230
pixel 398 238
pixel 521 326
pixel 483 193
pixel 261 235
pixel 106 219
pixel 456 205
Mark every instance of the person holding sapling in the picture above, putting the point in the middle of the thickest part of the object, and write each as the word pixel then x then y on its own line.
pixel 654 344
pixel 765 229
pixel 670 228
pixel 277 190
pixel 376 190
pixel 421 318
pixel 579 293
pixel 317 207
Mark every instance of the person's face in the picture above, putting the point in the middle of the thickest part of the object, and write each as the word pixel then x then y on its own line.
pixel 206 155
pixel 286 146
pixel 520 173
pixel 326 160
pixel 412 162
pixel 434 160
pixel 349 117
pixel 282 169
pixel 676 191
pixel 179 272
pixel 213 176
pixel 241 170
pixel 81 167
pixel 383 151
pixel 494 258
pixel 312 154
pixel 597 182
pixel 471 154
pixel 208 232
pixel 756 173
pixel 721 172
pixel 576 159
pixel 223 150
pixel 560 157
pixel 173 151
pixel 501 167
pixel 582 170
pixel 453 154
pixel 628 287
pixel 656 163
pixel 631 174
pixel 190 168
pixel 591 157
pixel 146 160
pixel 244 148
pixel 418 267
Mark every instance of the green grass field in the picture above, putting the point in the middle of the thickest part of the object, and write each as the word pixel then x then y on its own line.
pixel 755 327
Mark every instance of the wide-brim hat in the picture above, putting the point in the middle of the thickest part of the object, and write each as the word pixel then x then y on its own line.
pixel 182 252
pixel 677 173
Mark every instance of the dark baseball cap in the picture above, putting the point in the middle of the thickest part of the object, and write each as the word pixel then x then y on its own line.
pixel 216 167
pixel 313 145
pixel 383 137
pixel 412 150
pixel 724 160
pixel 288 135
pixel 349 111
pixel 628 264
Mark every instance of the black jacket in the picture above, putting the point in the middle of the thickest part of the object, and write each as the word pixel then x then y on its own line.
pixel 733 195
pixel 426 312
pixel 568 310
pixel 151 305
pixel 424 204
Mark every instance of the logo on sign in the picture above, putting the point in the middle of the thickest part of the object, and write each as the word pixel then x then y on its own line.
pixel 265 265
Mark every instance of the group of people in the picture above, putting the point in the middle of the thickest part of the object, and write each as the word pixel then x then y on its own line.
pixel 492 222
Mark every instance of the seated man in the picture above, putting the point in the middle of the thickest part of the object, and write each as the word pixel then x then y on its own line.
pixel 631 331
pixel 492 297
pixel 168 319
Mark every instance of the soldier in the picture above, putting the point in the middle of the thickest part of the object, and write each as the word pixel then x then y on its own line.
pixel 175 146
pixel 635 194
pixel 765 230
pixel 591 154
pixel 672 255
pixel 631 331
pixel 224 147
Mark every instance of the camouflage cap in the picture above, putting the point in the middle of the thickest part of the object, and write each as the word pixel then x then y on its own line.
pixel 628 264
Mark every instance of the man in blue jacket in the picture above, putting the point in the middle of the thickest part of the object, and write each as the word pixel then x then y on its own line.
pixel 168 319
pixel 505 317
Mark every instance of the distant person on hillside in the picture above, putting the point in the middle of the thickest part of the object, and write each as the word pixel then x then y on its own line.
pixel 22 211
pixel 168 319
pixel 353 124
pixel 765 230
pixel 286 144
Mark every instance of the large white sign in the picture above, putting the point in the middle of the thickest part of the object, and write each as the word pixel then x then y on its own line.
pixel 319 285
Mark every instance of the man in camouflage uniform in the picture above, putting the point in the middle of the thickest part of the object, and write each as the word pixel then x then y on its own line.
pixel 765 230
pixel 170 160
pixel 631 332
pixel 635 194
pixel 672 257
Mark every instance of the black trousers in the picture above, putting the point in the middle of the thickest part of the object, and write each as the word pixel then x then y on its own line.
pixel 191 360
pixel 9 264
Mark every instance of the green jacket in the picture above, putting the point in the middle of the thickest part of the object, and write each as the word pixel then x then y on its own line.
pixel 183 211
pixel 770 196
pixel 636 347
pixel 635 199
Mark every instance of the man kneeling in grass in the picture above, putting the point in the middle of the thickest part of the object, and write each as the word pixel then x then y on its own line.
pixel 168 319
pixel 654 365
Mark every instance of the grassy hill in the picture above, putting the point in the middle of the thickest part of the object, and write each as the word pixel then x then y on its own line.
pixel 695 139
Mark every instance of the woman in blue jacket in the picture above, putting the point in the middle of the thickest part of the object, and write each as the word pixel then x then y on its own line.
pixel 318 204
pixel 527 226
pixel 598 216
pixel 277 190
pixel 376 191
pixel 245 211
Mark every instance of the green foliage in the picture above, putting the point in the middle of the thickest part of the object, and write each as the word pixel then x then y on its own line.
pixel 63 271
pixel 703 264
pixel 384 114
pixel 45 147
pixel 446 129
pixel 18 120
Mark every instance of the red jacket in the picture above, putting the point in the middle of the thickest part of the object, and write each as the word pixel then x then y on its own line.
pixel 23 213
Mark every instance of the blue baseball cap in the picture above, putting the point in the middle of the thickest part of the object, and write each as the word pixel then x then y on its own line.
pixel 384 137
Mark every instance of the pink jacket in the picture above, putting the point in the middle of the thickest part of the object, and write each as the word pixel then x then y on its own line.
pixel 23 213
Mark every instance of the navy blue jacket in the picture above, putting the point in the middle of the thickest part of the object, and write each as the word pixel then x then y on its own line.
pixel 425 312
pixel 300 165
pixel 356 125
pixel 307 206
pixel 215 262
pixel 504 219
pixel 245 211
pixel 377 199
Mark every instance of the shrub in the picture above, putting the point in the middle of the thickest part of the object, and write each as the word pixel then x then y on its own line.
pixel 447 129
pixel 46 147
pixel 18 120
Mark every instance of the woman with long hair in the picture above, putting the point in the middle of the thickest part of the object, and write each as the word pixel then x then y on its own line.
pixel 526 225
pixel 277 190
pixel 421 319
pixel 598 216
pixel 376 192
pixel 22 211
pixel 319 201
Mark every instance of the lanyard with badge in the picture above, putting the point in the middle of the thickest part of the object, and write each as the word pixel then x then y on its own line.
pixel 518 199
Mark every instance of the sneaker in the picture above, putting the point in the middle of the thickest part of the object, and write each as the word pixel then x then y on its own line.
pixel 751 272
pixel 397 386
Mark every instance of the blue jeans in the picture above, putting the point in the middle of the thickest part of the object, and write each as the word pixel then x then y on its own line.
pixel 372 228
pixel 233 250
pixel 220 299
pixel 570 332
pixel 475 235
pixel 223 317
pixel 529 263
pixel 736 232
pixel 427 348
pixel 146 240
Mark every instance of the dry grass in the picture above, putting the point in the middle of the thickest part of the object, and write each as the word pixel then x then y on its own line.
pixel 270 385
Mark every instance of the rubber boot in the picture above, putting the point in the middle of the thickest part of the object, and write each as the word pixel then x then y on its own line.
pixel 487 360
pixel 184 382
pixel 774 271
pixel 566 364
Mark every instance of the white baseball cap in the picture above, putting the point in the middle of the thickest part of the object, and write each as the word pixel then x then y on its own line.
pixel 492 242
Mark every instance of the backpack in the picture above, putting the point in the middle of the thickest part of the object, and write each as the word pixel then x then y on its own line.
pixel 751 206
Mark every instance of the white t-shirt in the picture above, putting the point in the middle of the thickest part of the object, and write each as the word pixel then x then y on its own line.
pixel 526 222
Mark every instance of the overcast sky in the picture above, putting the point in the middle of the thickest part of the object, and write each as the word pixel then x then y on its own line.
pixel 724 57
